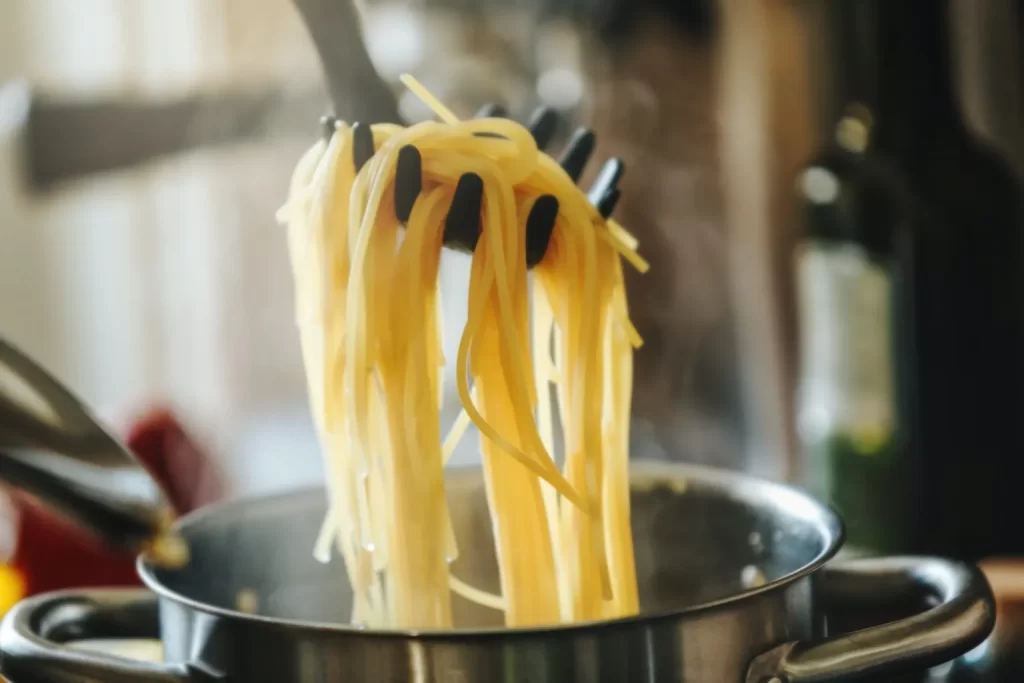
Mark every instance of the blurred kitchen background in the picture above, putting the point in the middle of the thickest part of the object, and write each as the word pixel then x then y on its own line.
pixel 145 146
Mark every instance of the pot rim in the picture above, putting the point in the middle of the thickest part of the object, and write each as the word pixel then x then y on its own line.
pixel 791 502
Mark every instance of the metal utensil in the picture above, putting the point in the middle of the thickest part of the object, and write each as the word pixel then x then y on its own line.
pixel 734 587
pixel 462 224
pixel 52 447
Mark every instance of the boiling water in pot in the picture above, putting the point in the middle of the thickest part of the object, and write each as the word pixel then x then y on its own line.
pixel 693 545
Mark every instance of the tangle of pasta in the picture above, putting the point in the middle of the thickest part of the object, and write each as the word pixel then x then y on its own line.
pixel 368 313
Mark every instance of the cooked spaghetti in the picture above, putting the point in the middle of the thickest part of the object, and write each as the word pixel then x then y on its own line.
pixel 368 312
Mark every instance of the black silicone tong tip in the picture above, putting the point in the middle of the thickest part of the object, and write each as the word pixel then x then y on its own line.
pixel 408 181
pixel 604 193
pixel 543 125
pixel 328 124
pixel 540 223
pixel 607 178
pixel 362 144
pixel 606 205
pixel 576 155
pixel 462 226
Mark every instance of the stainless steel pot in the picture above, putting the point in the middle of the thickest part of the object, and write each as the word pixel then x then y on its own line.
pixel 734 588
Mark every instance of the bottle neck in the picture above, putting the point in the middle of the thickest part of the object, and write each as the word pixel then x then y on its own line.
pixel 895 57
pixel 915 84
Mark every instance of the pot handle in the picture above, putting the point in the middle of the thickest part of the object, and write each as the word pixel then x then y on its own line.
pixel 962 618
pixel 33 631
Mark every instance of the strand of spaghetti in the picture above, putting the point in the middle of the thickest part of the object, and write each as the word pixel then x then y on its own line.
pixel 635 260
pixel 312 361
pixel 372 412
pixel 622 235
pixel 557 481
pixel 443 112
pixel 300 186
pixel 356 360
pixel 543 321
pixel 426 272
pixel 383 256
pixel 576 532
pixel 430 257
pixel 325 539
pixel 615 433
pixel 360 385
pixel 529 580
pixel 480 597
pixel 592 378
pixel 334 268
pixel 455 434
pixel 310 332
pixel 439 300
pixel 502 204
pixel 615 489
pixel 513 360
pixel 378 479
pixel 462 384
pixel 418 573
pixel 568 556
pixel 524 551
pixel 306 241
pixel 584 462
pixel 635 340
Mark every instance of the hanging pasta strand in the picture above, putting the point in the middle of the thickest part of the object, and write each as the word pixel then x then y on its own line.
pixel 369 211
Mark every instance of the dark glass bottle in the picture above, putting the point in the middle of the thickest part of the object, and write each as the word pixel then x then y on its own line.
pixel 855 402
pixel 968 299
pixel 955 259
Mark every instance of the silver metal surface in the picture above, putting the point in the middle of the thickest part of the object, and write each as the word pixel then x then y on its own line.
pixel 730 571
pixel 52 447
pixel 963 609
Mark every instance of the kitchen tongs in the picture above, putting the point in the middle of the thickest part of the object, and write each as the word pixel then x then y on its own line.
pixel 360 96
pixel 52 447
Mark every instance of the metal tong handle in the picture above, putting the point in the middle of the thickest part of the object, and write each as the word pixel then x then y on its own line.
pixel 72 431
pixel 52 447
pixel 962 619
pixel 33 636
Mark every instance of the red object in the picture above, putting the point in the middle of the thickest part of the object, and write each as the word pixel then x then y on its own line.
pixel 189 478
pixel 52 553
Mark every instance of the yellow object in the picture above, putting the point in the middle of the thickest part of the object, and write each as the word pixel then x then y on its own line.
pixel 368 313
pixel 12 587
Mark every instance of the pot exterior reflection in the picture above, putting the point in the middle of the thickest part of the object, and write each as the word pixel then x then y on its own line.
pixel 731 571
pixel 702 538
pixel 711 647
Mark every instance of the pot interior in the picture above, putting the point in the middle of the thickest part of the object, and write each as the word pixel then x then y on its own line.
pixel 700 535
